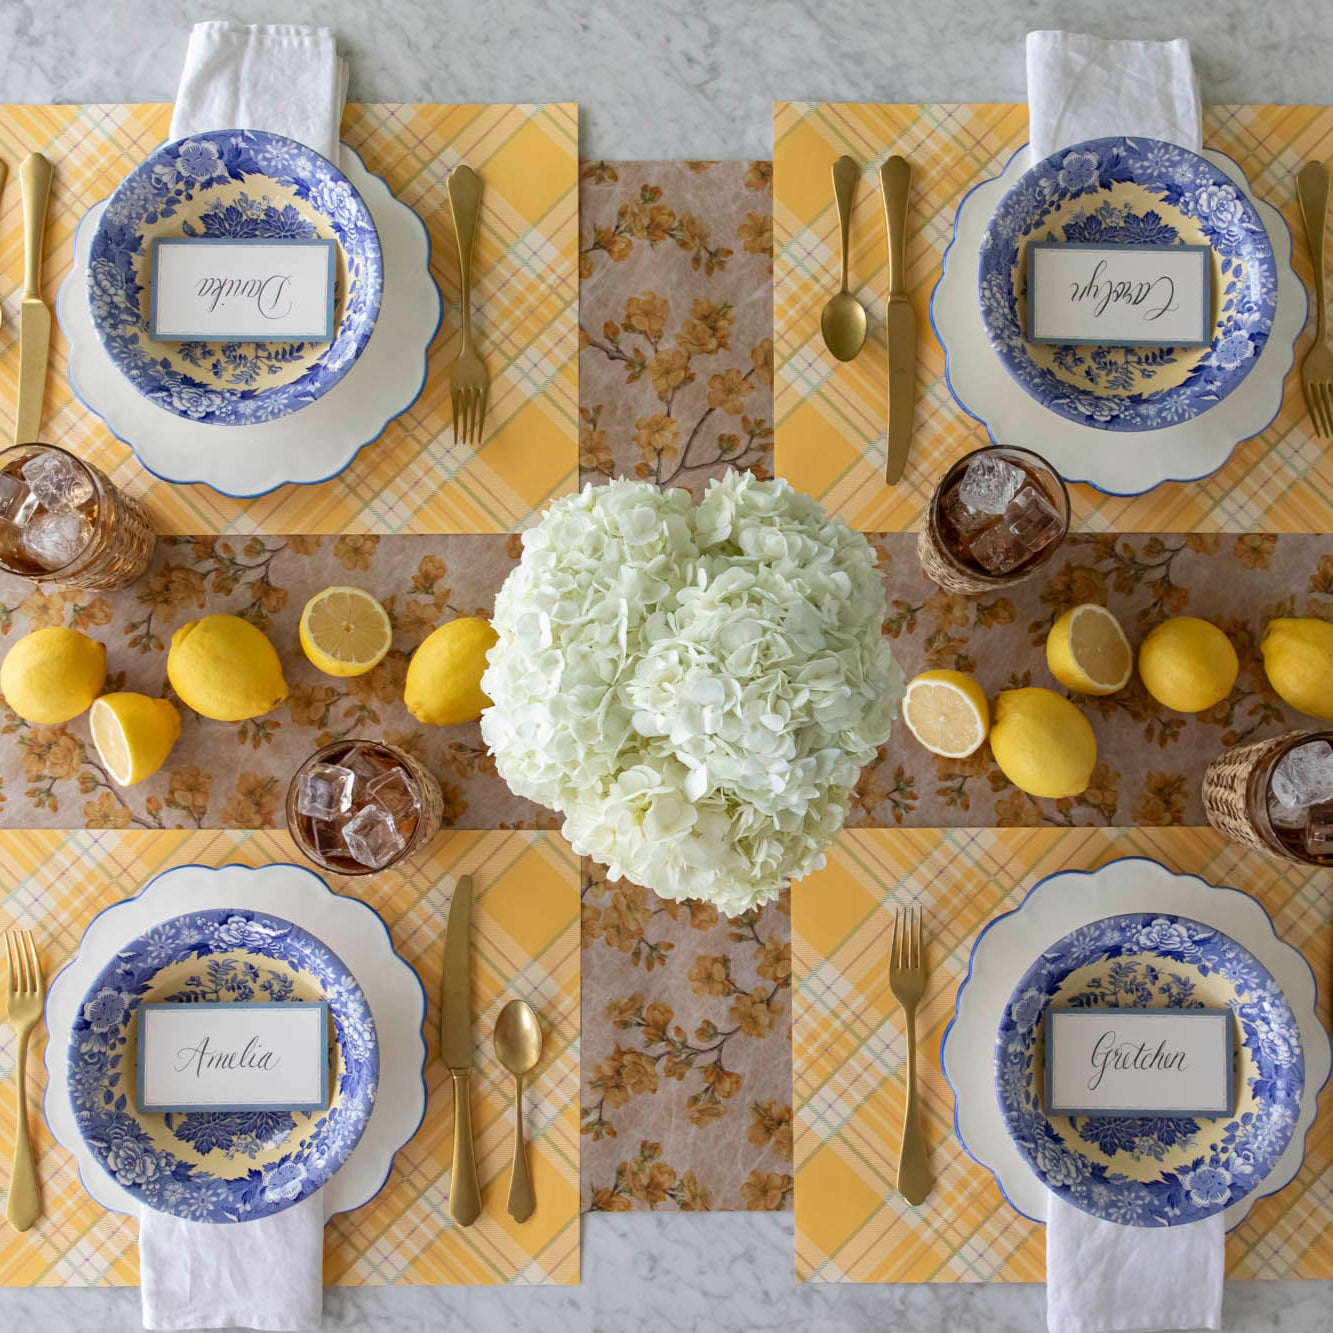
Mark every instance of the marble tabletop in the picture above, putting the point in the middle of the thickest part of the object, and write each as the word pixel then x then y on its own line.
pixel 691 79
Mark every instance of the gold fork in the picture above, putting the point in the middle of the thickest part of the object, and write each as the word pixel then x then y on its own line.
pixel 907 980
pixel 469 384
pixel 1317 368
pixel 25 1008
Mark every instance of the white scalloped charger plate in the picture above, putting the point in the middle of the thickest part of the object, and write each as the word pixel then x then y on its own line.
pixel 1129 462
pixel 1058 904
pixel 353 930
pixel 304 447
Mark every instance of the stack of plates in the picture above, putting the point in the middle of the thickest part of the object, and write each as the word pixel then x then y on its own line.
pixel 245 418
pixel 275 933
pixel 1136 421
pixel 1134 933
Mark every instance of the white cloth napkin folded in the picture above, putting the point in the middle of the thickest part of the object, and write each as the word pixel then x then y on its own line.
pixel 280 77
pixel 1104 1278
pixel 1082 87
pixel 265 1274
pixel 1101 1277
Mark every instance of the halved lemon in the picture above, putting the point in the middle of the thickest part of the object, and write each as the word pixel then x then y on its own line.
pixel 947 712
pixel 345 631
pixel 133 734
pixel 1087 651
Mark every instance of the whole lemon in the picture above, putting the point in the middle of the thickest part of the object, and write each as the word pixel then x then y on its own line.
pixel 1188 664
pixel 443 683
pixel 52 674
pixel 1298 659
pixel 1042 743
pixel 225 668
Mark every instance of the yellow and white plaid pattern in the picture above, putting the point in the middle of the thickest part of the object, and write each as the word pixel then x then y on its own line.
pixel 848 1053
pixel 525 943
pixel 830 417
pixel 414 478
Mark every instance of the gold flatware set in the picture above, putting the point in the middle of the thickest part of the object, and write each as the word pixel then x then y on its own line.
pixel 843 322
pixel 1317 368
pixel 518 1045
pixel 469 380
pixel 907 981
pixel 26 993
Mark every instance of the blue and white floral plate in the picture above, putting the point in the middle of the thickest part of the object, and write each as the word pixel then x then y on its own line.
pixel 1070 902
pixel 1147 1171
pixel 245 184
pixel 1122 462
pixel 1120 191
pixel 287 926
pixel 219 1166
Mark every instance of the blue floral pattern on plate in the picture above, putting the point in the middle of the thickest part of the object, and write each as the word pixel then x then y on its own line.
pixel 276 1158
pixel 243 184
pixel 1163 1172
pixel 1126 191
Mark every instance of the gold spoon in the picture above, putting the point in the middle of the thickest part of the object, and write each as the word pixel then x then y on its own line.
pixel 518 1043
pixel 844 318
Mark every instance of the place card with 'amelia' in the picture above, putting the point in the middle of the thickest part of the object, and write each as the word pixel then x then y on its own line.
pixel 229 1057
pixel 1139 1062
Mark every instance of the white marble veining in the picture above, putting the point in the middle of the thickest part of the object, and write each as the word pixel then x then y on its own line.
pixel 690 79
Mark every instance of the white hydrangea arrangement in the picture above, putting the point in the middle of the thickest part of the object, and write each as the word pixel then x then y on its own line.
pixel 696 689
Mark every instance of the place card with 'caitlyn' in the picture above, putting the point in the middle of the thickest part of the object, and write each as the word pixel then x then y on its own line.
pixel 228 1057
pixel 205 289
pixel 1139 1062
pixel 1119 295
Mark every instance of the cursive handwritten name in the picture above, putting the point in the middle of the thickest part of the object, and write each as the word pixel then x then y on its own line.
pixel 253 1055
pixel 269 294
pixel 1110 1052
pixel 1156 295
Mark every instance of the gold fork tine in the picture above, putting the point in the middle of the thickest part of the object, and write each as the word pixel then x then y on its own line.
pixel 472 416
pixel 481 420
pixel 12 959
pixel 1326 407
pixel 893 944
pixel 34 962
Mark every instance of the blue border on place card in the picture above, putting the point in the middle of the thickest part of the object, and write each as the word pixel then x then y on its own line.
pixel 321 1105
pixel 323 336
pixel 1228 1055
pixel 1207 318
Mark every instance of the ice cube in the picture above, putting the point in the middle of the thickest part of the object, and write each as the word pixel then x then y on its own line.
pixel 964 520
pixel 17 501
pixel 999 550
pixel 325 791
pixel 394 793
pixel 1318 840
pixel 989 484
pixel 367 764
pixel 54 540
pixel 60 483
pixel 372 837
pixel 1291 817
pixel 1304 776
pixel 1033 519
pixel 328 839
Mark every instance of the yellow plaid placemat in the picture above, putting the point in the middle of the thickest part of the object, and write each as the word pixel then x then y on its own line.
pixel 849 1083
pixel 414 478
pixel 525 943
pixel 830 417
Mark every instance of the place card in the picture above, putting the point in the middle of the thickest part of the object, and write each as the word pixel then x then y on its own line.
pixel 227 1057
pixel 1139 1062
pixel 242 290
pixel 1119 295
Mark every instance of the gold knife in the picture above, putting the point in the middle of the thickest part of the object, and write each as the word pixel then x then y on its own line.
pixel 34 315
pixel 456 1051
pixel 895 179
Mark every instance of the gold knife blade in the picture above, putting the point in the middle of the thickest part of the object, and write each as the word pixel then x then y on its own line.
pixel 895 179
pixel 456 1050
pixel 34 314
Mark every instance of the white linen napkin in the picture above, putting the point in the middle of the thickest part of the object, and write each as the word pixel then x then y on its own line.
pixel 280 77
pixel 1102 1277
pixel 265 1274
pixel 1082 87
pixel 1105 1278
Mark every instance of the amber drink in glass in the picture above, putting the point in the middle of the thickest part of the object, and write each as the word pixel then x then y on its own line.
pixel 357 807
pixel 1276 795
pixel 63 521
pixel 997 515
